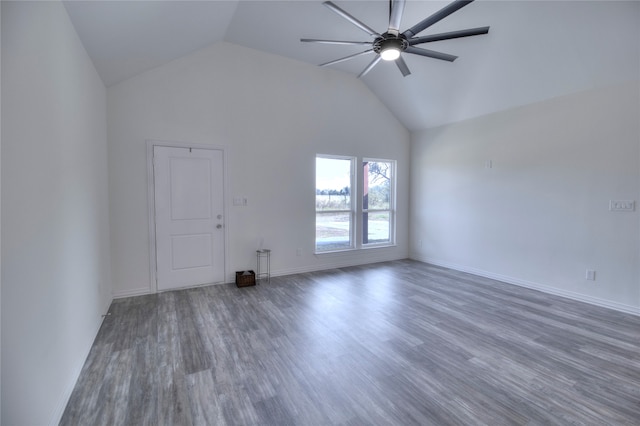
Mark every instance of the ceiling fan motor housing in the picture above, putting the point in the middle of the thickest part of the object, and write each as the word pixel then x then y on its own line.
pixel 390 41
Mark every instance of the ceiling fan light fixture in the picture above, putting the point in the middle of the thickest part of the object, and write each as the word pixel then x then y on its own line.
pixel 390 53
pixel 389 46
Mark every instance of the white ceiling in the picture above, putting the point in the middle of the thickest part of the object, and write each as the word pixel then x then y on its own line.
pixel 535 50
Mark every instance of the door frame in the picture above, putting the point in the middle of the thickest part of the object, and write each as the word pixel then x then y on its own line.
pixel 151 203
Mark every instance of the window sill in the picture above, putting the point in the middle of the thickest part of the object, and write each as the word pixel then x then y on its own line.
pixel 375 246
pixel 367 247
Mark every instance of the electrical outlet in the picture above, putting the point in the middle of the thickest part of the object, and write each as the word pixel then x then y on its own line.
pixel 298 252
pixel 622 205
pixel 590 275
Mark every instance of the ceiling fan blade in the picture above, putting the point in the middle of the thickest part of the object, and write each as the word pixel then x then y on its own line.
pixel 350 18
pixel 448 36
pixel 430 53
pixel 441 14
pixel 346 58
pixel 395 15
pixel 315 40
pixel 402 66
pixel 370 66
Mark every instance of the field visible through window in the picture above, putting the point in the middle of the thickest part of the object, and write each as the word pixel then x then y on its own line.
pixel 336 210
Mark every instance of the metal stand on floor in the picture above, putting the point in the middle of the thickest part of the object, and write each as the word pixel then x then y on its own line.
pixel 263 259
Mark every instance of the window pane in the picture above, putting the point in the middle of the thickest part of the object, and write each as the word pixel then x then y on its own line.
pixel 377 227
pixel 377 185
pixel 333 231
pixel 334 206
pixel 333 184
pixel 377 195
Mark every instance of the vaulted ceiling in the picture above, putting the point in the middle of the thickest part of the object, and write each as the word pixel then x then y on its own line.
pixel 535 50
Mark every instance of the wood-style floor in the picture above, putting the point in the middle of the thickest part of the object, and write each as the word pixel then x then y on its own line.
pixel 397 343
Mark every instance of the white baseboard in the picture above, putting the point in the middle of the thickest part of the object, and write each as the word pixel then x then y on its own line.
pixel 532 285
pixel 330 261
pixel 132 293
pixel 341 263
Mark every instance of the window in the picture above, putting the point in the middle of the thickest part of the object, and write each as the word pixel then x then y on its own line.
pixel 334 203
pixel 339 218
pixel 377 202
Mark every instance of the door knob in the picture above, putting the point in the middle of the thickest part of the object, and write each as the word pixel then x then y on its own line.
pixel 218 226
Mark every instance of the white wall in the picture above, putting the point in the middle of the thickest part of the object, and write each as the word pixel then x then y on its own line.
pixel 273 115
pixel 539 217
pixel 55 247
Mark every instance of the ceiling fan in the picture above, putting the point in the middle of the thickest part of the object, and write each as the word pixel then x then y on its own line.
pixel 389 45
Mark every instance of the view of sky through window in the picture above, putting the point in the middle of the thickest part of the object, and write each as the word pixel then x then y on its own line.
pixel 332 173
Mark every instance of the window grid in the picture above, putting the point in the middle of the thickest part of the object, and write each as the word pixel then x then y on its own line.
pixel 339 218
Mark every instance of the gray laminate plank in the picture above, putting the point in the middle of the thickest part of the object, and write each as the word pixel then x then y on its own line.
pixel 143 390
pixel 393 343
pixel 173 402
pixel 192 346
pixel 272 411
pixel 203 399
pixel 113 399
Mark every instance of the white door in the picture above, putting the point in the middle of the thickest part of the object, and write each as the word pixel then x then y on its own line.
pixel 188 189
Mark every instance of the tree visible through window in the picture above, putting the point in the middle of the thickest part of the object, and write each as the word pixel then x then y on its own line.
pixel 377 202
pixel 334 205
pixel 338 216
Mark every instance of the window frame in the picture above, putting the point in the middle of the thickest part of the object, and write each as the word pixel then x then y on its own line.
pixel 357 211
pixel 353 194
pixel 391 209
